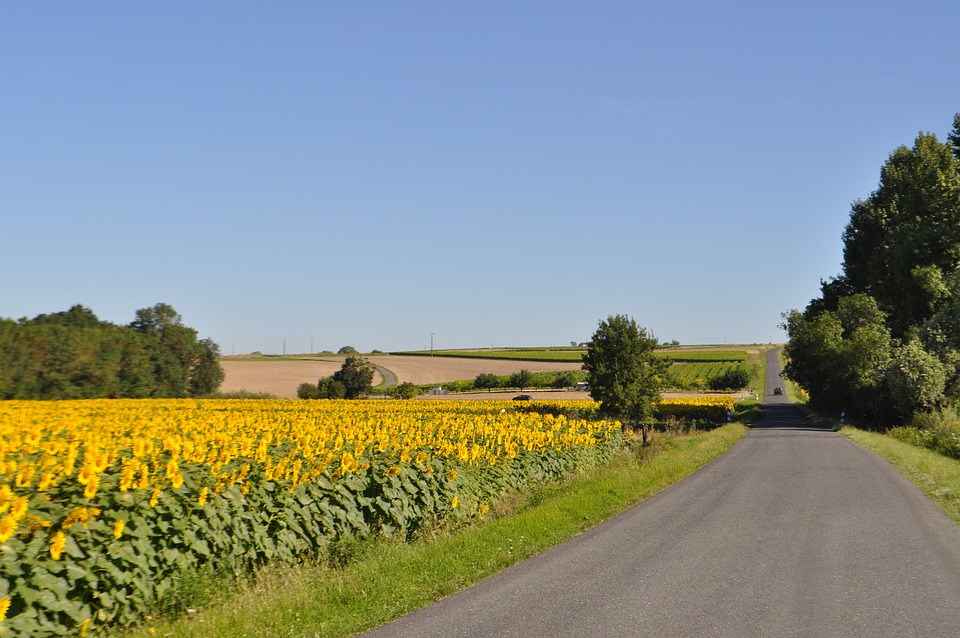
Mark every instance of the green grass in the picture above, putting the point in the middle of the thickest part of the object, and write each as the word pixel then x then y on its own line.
pixel 936 475
pixel 385 580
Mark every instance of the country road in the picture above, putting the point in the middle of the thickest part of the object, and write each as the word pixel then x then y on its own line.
pixel 796 531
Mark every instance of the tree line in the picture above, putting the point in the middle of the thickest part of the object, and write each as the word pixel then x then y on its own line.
pixel 882 341
pixel 74 355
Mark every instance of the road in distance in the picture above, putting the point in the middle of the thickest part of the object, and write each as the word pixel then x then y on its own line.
pixel 796 531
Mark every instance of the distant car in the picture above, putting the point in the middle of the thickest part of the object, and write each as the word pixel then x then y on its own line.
pixel 778 391
pixel 523 397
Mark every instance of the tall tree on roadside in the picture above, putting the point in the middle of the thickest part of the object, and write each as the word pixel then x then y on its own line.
pixel 883 338
pixel 623 374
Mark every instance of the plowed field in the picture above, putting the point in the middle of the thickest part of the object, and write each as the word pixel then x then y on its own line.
pixel 281 377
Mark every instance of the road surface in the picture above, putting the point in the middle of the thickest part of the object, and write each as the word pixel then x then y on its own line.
pixel 796 531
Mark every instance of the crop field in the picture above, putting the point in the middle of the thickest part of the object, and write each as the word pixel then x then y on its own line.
pixel 686 375
pixel 281 377
pixel 104 503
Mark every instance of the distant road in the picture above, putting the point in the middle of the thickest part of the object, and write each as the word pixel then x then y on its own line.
pixel 796 531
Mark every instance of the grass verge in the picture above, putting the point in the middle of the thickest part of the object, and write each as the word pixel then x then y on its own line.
pixel 383 580
pixel 936 475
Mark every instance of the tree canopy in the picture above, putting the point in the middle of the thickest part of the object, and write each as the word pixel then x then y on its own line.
pixel 75 355
pixel 624 376
pixel 883 339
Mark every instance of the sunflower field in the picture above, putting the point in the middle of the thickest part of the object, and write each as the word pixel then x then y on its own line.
pixel 105 503
pixel 711 409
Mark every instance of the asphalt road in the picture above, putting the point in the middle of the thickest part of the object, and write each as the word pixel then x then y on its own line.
pixel 795 531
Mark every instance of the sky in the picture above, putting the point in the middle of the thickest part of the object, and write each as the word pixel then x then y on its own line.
pixel 300 176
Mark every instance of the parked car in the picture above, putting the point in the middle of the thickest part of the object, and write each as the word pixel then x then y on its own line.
pixel 523 397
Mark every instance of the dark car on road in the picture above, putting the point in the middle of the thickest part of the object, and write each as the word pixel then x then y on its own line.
pixel 523 397
pixel 778 391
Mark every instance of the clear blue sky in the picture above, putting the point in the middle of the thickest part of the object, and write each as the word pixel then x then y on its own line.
pixel 495 173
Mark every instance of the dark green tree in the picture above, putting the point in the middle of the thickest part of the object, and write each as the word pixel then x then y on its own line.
pixel 486 381
pixel 206 374
pixel 521 379
pixel 356 375
pixel 624 376
pixel 883 338
pixel 331 388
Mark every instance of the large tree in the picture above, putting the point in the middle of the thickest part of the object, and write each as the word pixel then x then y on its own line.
pixel 623 374
pixel 356 375
pixel 883 338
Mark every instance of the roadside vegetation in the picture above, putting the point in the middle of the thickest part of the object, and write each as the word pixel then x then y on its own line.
pixel 882 341
pixel 880 347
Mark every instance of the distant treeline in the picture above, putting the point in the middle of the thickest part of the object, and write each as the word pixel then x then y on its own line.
pixel 75 355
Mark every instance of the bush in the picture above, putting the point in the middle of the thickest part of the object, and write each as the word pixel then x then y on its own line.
pixel 330 388
pixel 407 390
pixel 308 391
pixel 733 378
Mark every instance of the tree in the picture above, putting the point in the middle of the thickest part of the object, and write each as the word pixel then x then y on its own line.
pixel 331 388
pixel 954 136
pixel 623 374
pixel 356 375
pixel 565 379
pixel 206 374
pixel 521 379
pixel 308 391
pixel 486 381
pixel 916 379
pixel 348 350
pixel 883 338
pixel 407 390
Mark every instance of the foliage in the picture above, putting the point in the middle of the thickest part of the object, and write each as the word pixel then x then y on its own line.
pixel 717 376
pixel 308 391
pixel 706 409
pixel 565 379
pixel 331 388
pixel 74 355
pixel 883 338
pixel 407 390
pixel 624 376
pixel 486 381
pixel 356 375
pixel 104 505
pixel 350 350
pixel 521 379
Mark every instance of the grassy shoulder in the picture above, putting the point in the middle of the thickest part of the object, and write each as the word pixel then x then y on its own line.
pixel 383 580
pixel 936 475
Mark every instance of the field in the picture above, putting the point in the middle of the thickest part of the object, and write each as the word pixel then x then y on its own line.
pixel 281 377
pixel 105 504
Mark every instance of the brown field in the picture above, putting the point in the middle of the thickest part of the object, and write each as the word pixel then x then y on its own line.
pixel 282 377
